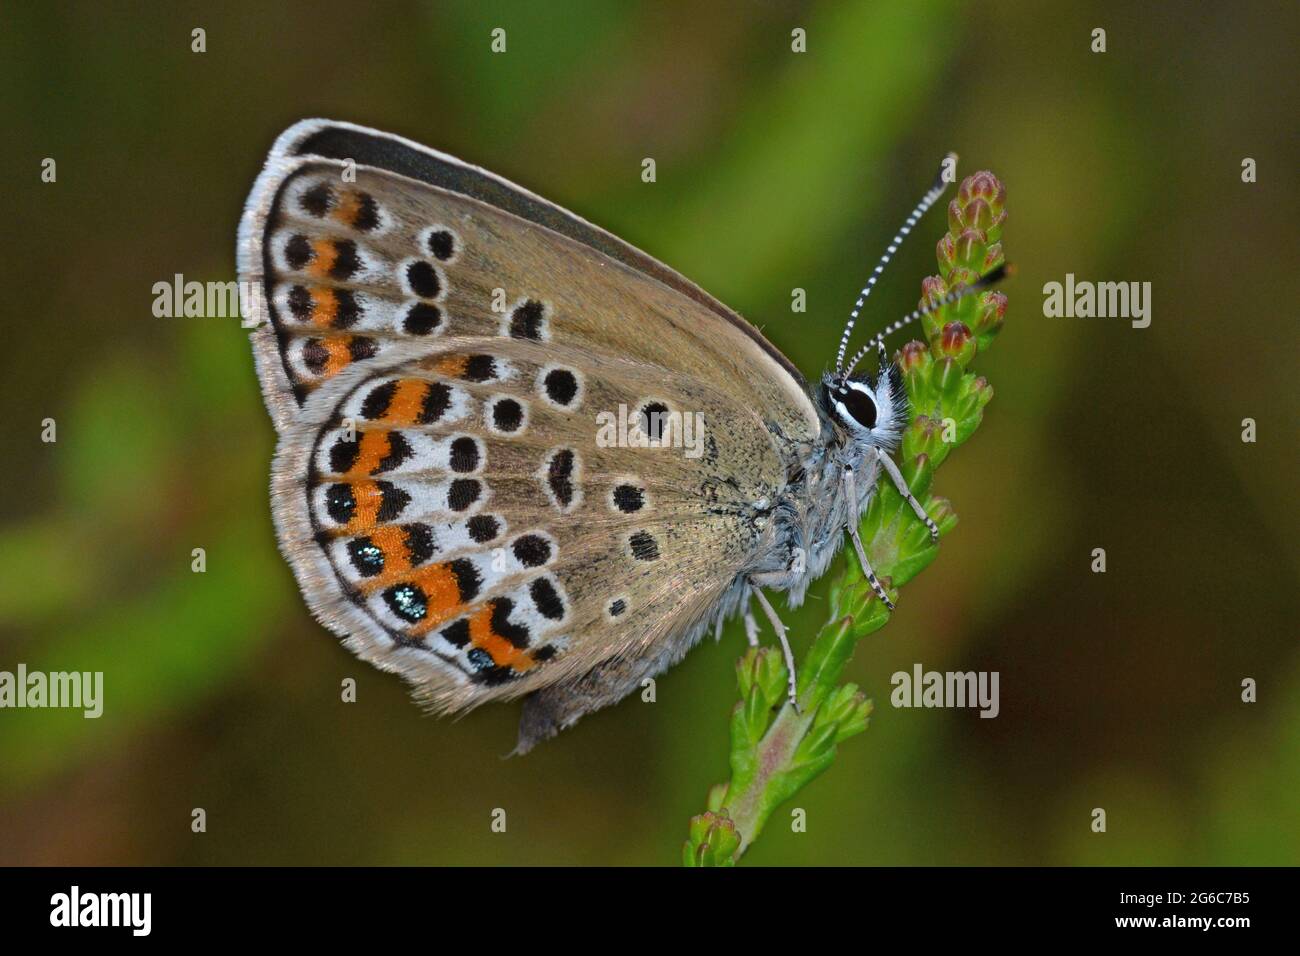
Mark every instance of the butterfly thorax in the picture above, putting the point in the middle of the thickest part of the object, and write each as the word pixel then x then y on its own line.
pixel 859 418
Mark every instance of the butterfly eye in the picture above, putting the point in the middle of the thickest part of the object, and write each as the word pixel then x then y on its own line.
pixel 859 404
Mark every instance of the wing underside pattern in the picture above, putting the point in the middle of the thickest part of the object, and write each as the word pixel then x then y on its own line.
pixel 463 399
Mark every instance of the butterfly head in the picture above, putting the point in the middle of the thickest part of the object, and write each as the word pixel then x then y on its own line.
pixel 873 411
pixel 869 410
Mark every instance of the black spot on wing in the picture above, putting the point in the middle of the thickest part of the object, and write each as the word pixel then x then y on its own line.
pixel 442 244
pixel 480 368
pixel 317 200
pixel 367 214
pixel 464 454
pixel 516 634
pixel 436 402
pixel 366 556
pixel 546 599
pixel 347 311
pixel 653 419
pixel 315 356
pixel 298 252
pixel 463 493
pixel 423 279
pixel 559 476
pixel 407 601
pixel 561 386
pixel 361 348
pixel 399 451
pixel 456 633
pixel 340 504
pixel 531 550
pixel 644 546
pixel 392 501
pixel 507 415
pixel 300 303
pixel 483 528
pixel 343 455
pixel 422 318
pixel 528 321
pixel 467 577
pixel 346 262
pixel 629 498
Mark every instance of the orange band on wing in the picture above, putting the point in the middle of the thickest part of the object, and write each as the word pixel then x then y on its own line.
pixel 324 306
pixel 374 448
pixel 504 654
pixel 325 255
pixel 390 539
pixel 442 596
pixel 407 402
pixel 368 497
pixel 453 366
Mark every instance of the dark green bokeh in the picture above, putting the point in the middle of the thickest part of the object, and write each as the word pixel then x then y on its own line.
pixel 775 170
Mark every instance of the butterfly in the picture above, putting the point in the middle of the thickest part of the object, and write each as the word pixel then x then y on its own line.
pixel 486 478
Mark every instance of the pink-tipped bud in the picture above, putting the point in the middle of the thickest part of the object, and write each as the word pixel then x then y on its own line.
pixel 980 203
pixel 955 342
pixel 913 357
pixel 933 288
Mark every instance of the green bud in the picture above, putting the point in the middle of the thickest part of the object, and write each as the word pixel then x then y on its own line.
pixel 918 472
pixel 941 511
pixel 914 359
pixel 772 676
pixel 976 214
pixel 988 320
pixel 933 289
pixel 717 794
pixel 969 249
pixel 713 841
pixel 755 715
pixel 992 258
pixel 924 437
pixel 984 189
pixel 856 720
pixel 947 376
pixel 745 671
pixel 946 253
pixel 818 745
pixel 839 705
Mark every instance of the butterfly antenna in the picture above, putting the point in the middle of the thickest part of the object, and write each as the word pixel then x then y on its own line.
pixel 983 282
pixel 928 200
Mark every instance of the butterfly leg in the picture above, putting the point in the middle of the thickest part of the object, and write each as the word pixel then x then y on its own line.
pixel 906 492
pixel 850 487
pixel 785 644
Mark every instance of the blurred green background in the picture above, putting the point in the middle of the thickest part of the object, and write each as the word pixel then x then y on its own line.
pixel 776 170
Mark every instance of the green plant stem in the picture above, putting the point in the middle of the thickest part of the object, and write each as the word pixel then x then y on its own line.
pixel 777 749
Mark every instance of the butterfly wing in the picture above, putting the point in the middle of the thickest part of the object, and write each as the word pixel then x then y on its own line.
pixel 462 375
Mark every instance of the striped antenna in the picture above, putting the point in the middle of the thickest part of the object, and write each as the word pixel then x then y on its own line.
pixel 935 191
pixel 983 282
